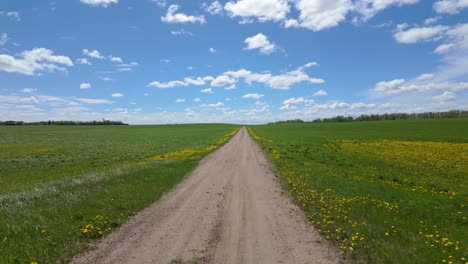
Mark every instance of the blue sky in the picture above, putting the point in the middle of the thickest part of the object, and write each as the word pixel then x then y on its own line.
pixel 238 61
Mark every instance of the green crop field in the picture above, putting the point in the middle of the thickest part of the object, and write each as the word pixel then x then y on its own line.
pixel 63 186
pixel 382 192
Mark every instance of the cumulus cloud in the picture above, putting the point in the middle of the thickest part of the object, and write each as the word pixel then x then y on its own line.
pixel 453 47
pixel 400 86
pixel 85 86
pixel 33 62
pixel 115 59
pixel 255 96
pixel 418 34
pixel 172 17
pixel 315 15
pixel 212 50
pixel 93 54
pixel 282 81
pixel 207 91
pixel 102 3
pixel 450 6
pixel 263 10
pixel 444 48
pixel 261 43
pixel 222 80
pixel 197 99
pixel 291 103
pixel 213 8
pixel 180 100
pixel 446 96
pixel 318 15
pixel 369 8
pixel 320 93
pixel 218 104
pixel 83 61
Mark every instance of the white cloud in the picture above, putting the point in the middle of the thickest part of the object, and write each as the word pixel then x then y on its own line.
pixel 116 59
pixel 117 95
pixel 400 86
pixel 252 96
pixel 170 84
pixel 260 42
pixel 171 17
pixel 369 8
pixel 454 46
pixel 197 99
pixel 83 61
pixel 32 62
pixel 213 8
pixel 180 100
pixel 28 90
pixel 212 50
pixel 230 87
pixel 425 77
pixel 263 10
pixel 315 15
pixel 103 3
pixel 444 48
pixel 93 54
pixel 320 93
pixel 418 34
pixel 207 91
pixel 85 85
pixel 282 81
pixel 318 15
pixel 222 80
pixel 218 104
pixel 11 14
pixel 160 3
pixel 181 32
pixel 290 103
pixel 94 101
pixel 431 20
pixel 198 81
pixel 450 6
pixel 4 38
pixel 446 96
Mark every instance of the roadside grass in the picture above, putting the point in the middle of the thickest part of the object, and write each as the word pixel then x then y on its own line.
pixel 382 192
pixel 63 187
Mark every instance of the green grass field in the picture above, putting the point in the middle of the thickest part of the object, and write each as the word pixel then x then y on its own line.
pixel 382 192
pixel 63 186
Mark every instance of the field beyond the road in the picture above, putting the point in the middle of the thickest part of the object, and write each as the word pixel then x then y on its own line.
pixel 64 186
pixel 383 191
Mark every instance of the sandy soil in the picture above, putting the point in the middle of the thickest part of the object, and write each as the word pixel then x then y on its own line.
pixel 231 209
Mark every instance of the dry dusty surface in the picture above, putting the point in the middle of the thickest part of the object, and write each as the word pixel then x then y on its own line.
pixel 231 209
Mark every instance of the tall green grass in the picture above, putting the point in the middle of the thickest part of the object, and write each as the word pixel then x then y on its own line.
pixel 382 192
pixel 54 181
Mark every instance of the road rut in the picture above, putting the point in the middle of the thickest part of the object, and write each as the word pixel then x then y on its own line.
pixel 231 209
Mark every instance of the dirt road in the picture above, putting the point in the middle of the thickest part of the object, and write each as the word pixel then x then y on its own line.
pixel 230 210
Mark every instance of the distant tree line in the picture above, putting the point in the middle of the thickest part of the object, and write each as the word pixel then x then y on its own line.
pixel 63 123
pixel 396 116
pixel 291 121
